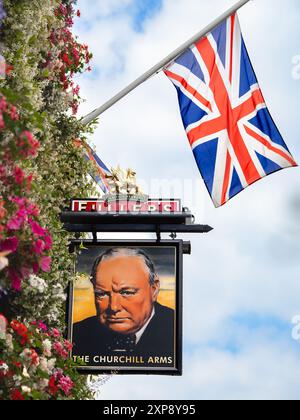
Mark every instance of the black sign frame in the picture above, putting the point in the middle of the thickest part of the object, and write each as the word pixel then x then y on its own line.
pixel 176 369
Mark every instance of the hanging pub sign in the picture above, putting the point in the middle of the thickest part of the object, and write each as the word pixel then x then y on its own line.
pixel 125 304
pixel 125 308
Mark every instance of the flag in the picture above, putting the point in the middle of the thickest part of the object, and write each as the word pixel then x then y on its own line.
pixel 101 169
pixel 232 134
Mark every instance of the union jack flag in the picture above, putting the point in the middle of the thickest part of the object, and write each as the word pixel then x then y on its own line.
pixel 101 170
pixel 232 134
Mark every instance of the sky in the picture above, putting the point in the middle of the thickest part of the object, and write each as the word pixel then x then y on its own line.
pixel 241 283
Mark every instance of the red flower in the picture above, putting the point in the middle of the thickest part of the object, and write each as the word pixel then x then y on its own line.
pixel 78 13
pixel 19 175
pixel 35 360
pixel 21 330
pixel 18 365
pixel 8 70
pixel 53 388
pixel 16 396
pixel 10 244
pixel 65 58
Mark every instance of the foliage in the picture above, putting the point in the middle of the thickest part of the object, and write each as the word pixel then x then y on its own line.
pixel 40 163
pixel 35 364
pixel 40 169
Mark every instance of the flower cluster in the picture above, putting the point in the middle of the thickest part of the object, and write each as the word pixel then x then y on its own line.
pixel 38 164
pixel 67 56
pixel 35 297
pixel 21 235
pixel 35 364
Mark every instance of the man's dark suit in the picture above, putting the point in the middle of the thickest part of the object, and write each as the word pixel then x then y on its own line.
pixel 91 339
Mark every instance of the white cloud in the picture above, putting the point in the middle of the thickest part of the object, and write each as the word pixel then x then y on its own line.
pixel 264 369
pixel 249 264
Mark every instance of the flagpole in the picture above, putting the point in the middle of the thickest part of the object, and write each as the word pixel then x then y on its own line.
pixel 163 63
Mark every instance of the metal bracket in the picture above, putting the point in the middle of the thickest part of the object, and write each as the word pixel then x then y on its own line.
pixel 158 233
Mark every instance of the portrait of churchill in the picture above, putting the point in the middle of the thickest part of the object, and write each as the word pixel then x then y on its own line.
pixel 128 320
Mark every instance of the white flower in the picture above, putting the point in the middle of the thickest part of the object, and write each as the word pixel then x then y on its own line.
pixel 17 380
pixel 3 327
pixel 4 369
pixel 9 341
pixel 51 364
pixel 37 283
pixel 25 373
pixel 47 346
pixel 42 384
pixel 3 262
pixel 58 291
pixel 26 390
pixel 44 364
pixel 26 354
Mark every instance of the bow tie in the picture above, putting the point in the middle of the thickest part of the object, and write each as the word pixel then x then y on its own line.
pixel 123 343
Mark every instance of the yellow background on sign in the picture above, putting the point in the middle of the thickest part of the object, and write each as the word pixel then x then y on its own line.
pixel 84 305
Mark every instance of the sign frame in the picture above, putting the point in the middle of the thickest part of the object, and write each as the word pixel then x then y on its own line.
pixel 175 370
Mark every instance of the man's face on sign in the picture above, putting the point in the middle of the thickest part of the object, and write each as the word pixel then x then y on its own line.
pixel 124 296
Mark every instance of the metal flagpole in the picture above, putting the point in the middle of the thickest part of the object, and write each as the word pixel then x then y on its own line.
pixel 163 63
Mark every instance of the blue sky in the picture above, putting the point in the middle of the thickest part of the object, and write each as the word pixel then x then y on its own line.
pixel 143 10
pixel 241 284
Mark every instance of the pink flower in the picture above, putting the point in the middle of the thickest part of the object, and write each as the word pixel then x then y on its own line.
pixel 63 10
pixel 21 201
pixel 42 326
pixel 25 271
pixel 19 175
pixel 32 209
pixel 14 113
pixel 10 244
pixel 35 267
pixel 39 247
pixel 15 223
pixel 16 279
pixel 58 347
pixel 48 242
pixel 68 345
pixel 21 214
pixel 55 333
pixel 29 144
pixel 2 123
pixel 66 384
pixel 36 228
pixel 45 264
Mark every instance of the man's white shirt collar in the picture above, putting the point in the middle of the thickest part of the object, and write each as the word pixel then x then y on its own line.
pixel 142 330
